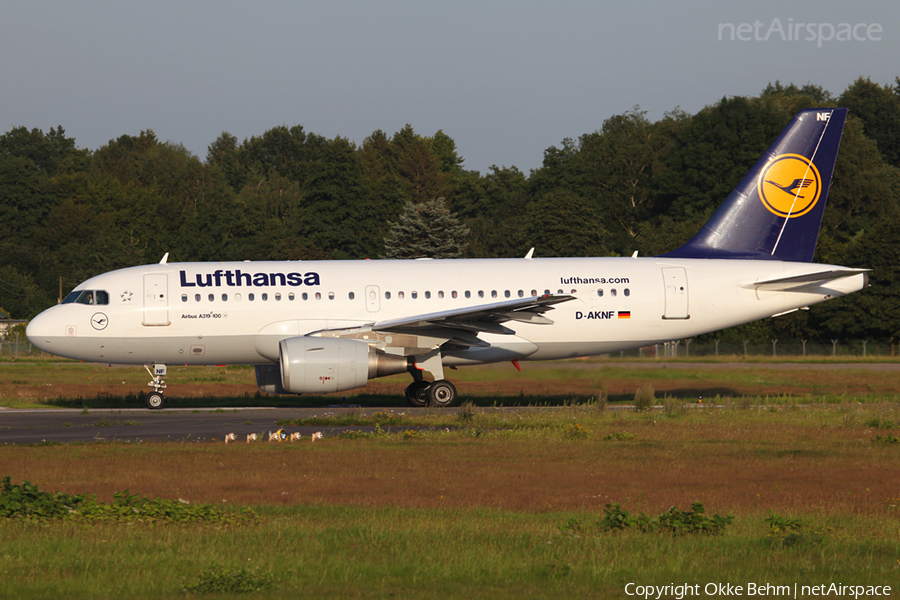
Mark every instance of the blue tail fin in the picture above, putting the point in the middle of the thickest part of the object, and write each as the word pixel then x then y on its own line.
pixel 776 210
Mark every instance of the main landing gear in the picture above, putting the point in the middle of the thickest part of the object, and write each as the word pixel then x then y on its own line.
pixel 439 393
pixel 155 400
pixel 423 393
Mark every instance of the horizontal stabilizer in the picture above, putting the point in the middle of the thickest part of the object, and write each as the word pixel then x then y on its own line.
pixel 799 282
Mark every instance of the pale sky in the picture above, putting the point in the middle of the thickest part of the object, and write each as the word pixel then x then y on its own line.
pixel 505 79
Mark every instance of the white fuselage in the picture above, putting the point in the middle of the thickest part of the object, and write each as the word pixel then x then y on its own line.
pixel 236 313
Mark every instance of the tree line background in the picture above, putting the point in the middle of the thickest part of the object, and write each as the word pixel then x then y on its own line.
pixel 67 214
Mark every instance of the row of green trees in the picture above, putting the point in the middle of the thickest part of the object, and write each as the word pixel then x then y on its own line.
pixel 68 213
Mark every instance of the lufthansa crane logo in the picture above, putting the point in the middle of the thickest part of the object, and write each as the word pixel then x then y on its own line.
pixel 790 185
pixel 99 321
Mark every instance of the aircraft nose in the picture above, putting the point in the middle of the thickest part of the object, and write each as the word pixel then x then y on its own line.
pixel 40 331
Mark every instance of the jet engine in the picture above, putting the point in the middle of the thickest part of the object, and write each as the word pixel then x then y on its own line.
pixel 310 365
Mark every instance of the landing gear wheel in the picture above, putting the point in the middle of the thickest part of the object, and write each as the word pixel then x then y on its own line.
pixel 441 394
pixel 417 393
pixel 155 400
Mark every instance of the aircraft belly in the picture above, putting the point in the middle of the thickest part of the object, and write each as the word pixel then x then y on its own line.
pixel 502 348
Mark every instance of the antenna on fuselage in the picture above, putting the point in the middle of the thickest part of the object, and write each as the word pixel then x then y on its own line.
pixel 530 254
pixel 165 259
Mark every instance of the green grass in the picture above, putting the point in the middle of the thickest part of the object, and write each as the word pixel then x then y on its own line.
pixel 360 547
pixel 365 546
pixel 386 552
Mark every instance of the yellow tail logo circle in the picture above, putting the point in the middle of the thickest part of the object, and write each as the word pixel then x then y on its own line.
pixel 789 186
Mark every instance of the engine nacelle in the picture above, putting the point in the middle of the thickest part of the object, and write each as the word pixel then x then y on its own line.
pixel 311 365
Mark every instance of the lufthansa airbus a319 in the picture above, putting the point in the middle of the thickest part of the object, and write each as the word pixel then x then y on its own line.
pixel 328 326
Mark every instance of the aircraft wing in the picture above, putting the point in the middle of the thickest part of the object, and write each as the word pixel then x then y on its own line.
pixel 800 282
pixel 460 325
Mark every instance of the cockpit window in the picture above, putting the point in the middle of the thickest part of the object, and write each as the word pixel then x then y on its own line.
pixel 87 297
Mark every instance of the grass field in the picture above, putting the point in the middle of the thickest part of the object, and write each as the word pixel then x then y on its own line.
pixel 487 503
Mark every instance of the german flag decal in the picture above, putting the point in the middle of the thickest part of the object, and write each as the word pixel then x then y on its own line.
pixel 624 314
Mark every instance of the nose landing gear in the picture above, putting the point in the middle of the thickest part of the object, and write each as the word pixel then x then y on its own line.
pixel 155 400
